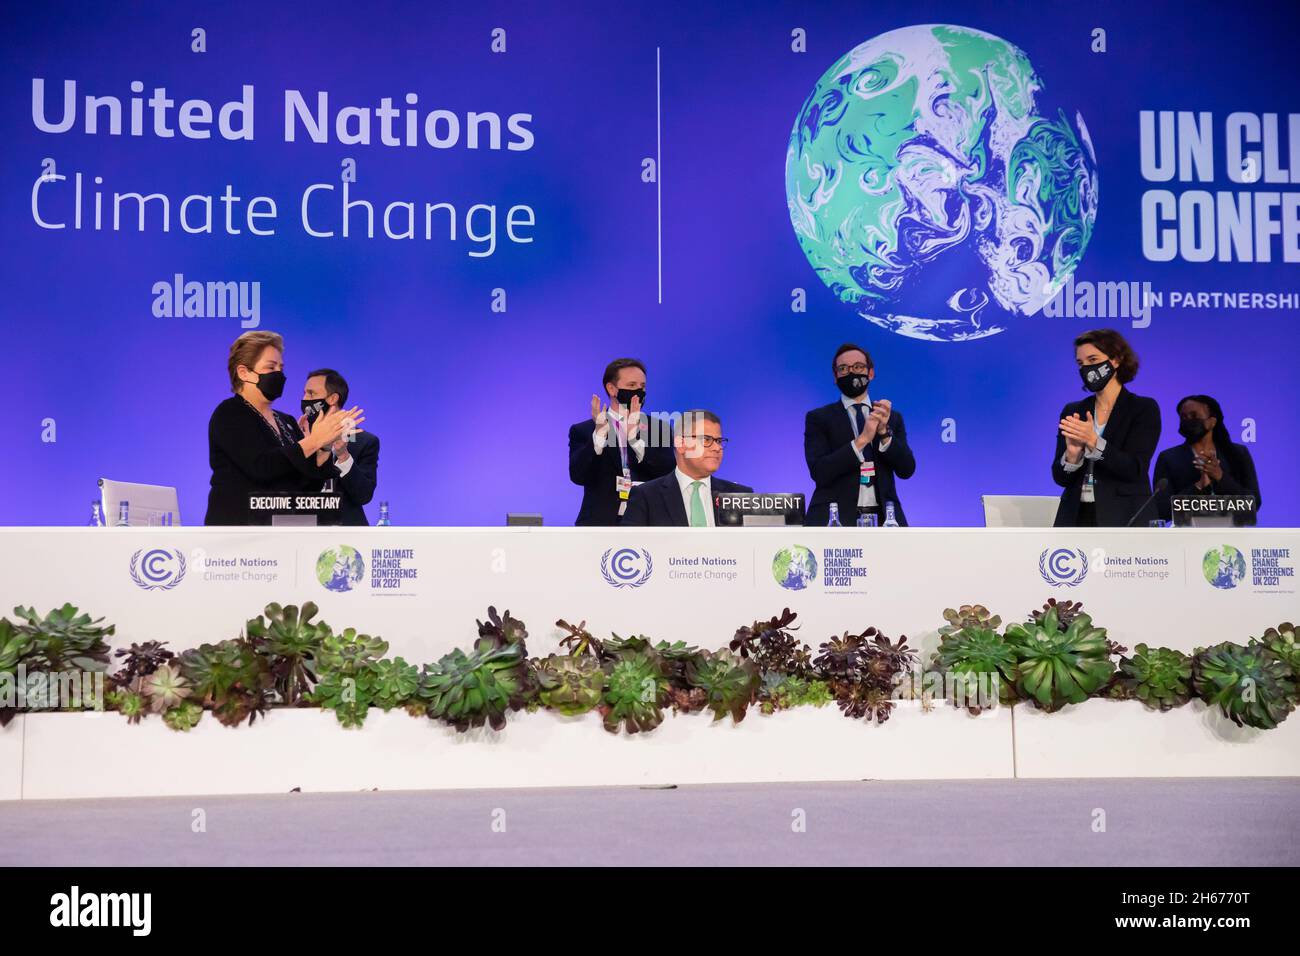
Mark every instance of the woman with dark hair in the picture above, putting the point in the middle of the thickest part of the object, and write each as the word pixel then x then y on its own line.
pixel 1208 462
pixel 252 448
pixel 1105 442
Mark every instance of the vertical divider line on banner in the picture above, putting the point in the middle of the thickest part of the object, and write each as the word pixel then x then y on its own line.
pixel 659 182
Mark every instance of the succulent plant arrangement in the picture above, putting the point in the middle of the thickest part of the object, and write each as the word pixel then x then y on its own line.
pixel 286 658
pixel 1251 685
pixel 1159 677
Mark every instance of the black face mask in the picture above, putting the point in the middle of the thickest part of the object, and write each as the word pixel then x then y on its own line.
pixel 313 408
pixel 1193 429
pixel 625 396
pixel 271 384
pixel 1096 376
pixel 853 384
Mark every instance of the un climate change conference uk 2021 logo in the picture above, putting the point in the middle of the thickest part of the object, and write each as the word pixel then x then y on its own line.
pixel 1224 567
pixel 931 191
pixel 340 568
pixel 626 567
pixel 158 569
pixel 1063 567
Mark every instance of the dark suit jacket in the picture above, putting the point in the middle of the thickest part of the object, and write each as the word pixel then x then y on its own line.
pixel 1239 478
pixel 596 473
pixel 358 485
pixel 1122 483
pixel 658 503
pixel 246 458
pixel 834 465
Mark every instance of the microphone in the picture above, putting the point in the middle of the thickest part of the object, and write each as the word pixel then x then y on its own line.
pixel 1161 486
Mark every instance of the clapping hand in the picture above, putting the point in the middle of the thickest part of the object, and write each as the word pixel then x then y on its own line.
pixel 1079 434
pixel 340 423
pixel 1210 467
pixel 633 420
pixel 600 415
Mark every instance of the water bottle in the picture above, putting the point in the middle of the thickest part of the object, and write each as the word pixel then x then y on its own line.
pixel 384 520
pixel 124 513
pixel 96 516
pixel 866 519
pixel 835 516
pixel 890 520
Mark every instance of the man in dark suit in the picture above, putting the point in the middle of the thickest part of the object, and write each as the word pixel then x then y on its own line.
pixel 685 498
pixel 618 446
pixel 856 449
pixel 356 456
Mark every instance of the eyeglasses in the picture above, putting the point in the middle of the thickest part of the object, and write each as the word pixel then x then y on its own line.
pixel 708 441
pixel 859 368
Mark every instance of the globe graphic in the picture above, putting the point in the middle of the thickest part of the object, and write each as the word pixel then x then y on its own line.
pixel 794 567
pixel 1224 567
pixel 340 569
pixel 930 192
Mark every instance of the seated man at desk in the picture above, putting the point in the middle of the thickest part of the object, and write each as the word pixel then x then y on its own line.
pixel 684 498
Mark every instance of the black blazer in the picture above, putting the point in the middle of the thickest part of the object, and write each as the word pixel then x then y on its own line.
pixel 1239 478
pixel 834 465
pixel 596 473
pixel 658 503
pixel 1122 482
pixel 358 485
pixel 246 458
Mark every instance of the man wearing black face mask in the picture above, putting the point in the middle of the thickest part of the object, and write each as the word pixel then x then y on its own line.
pixel 1208 462
pixel 255 450
pixel 356 456
pixel 617 447
pixel 856 449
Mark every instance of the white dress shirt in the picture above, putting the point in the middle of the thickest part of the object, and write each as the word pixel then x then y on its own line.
pixel 599 440
pixel 866 493
pixel 685 481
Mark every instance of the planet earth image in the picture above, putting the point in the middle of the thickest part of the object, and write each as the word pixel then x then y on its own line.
pixel 794 567
pixel 931 192
pixel 340 569
pixel 1224 567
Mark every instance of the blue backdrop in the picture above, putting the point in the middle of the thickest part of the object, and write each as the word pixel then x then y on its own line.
pixel 472 404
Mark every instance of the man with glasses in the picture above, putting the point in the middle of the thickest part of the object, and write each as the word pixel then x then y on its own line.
pixel 855 448
pixel 685 498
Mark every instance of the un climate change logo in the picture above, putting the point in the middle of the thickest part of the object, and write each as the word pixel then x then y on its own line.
pixel 626 567
pixel 158 570
pixel 794 568
pixel 340 569
pixel 1224 567
pixel 1063 567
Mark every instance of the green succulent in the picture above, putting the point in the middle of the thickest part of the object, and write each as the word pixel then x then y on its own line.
pixel 636 691
pixel 1160 677
pixel 165 688
pixel 1252 685
pixel 65 639
pixel 782 691
pixel 184 716
pixel 231 678
pixel 973 650
pixel 729 681
pixel 15 644
pixel 969 616
pixel 504 629
pixel 287 636
pixel 129 702
pixel 617 647
pixel 349 652
pixel 678 657
pixel 1059 667
pixel 470 690
pixel 348 695
pixel 1281 640
pixel 395 682
pixel 570 685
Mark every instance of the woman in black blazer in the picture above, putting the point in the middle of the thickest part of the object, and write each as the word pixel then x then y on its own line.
pixel 254 449
pixel 1208 462
pixel 1105 442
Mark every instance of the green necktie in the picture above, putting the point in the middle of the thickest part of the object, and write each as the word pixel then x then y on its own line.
pixel 697 507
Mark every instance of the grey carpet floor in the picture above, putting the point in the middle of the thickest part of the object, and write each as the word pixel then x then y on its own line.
pixel 1184 822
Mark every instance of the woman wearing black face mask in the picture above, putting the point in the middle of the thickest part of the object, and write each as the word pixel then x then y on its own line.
pixel 1105 442
pixel 254 449
pixel 1208 462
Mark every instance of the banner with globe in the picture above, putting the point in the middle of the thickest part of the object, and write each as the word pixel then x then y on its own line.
pixel 470 211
